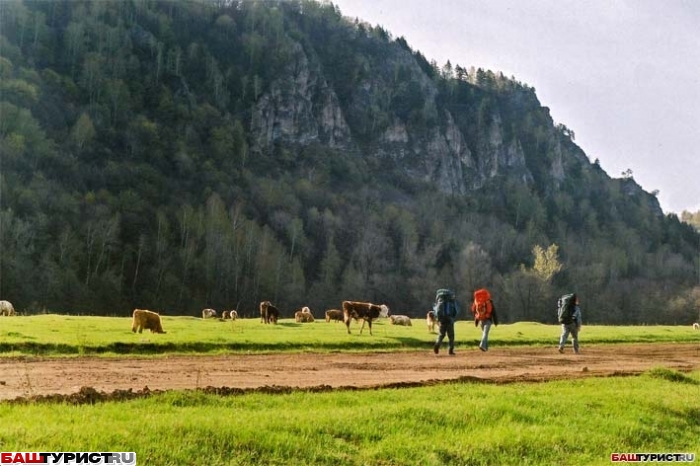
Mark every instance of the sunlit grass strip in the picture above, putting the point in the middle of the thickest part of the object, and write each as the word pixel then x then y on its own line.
pixel 80 335
pixel 564 422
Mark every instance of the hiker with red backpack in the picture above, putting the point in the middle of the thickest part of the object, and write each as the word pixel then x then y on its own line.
pixel 485 314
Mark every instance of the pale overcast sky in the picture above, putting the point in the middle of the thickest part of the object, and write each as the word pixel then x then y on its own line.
pixel 624 75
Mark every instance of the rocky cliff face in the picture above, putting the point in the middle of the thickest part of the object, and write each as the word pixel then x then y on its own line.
pixel 501 157
pixel 301 107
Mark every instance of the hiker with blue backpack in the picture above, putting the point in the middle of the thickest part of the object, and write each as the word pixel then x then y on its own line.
pixel 446 311
pixel 569 316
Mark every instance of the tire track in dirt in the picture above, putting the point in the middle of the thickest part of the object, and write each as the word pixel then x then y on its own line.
pixel 37 377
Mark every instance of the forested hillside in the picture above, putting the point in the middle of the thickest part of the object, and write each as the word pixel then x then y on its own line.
pixel 181 155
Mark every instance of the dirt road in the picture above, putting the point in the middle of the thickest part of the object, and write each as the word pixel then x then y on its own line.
pixel 30 377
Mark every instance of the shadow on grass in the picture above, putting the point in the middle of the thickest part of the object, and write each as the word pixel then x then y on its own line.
pixel 357 344
pixel 670 375
pixel 412 342
pixel 148 348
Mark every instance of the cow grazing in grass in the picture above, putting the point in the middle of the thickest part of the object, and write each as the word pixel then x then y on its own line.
pixel 365 311
pixel 401 320
pixel 6 308
pixel 303 315
pixel 144 319
pixel 208 313
pixel 431 321
pixel 696 326
pixel 334 314
pixel 224 315
pixel 268 312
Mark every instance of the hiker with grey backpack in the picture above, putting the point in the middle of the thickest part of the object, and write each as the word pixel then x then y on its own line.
pixel 569 316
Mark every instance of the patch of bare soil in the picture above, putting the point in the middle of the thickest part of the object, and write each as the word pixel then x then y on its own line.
pixel 90 379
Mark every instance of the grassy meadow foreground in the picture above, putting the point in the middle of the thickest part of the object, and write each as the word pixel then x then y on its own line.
pixel 574 422
pixel 56 335
pixel 570 422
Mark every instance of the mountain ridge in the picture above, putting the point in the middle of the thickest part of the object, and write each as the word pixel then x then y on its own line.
pixel 216 154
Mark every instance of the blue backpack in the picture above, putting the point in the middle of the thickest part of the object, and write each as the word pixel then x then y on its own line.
pixel 445 305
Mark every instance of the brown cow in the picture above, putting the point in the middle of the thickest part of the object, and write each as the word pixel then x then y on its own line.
pixel 144 319
pixel 268 312
pixel 365 311
pixel 334 314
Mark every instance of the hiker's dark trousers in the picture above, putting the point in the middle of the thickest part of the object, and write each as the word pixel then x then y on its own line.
pixel 447 327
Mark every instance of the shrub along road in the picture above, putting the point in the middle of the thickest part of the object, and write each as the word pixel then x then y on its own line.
pixel 36 377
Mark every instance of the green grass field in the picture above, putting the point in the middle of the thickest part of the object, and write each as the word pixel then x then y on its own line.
pixel 56 335
pixel 568 422
pixel 576 422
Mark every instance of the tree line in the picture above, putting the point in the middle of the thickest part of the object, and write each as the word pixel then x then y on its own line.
pixel 131 177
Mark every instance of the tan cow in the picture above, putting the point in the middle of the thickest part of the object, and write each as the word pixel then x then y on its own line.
pixel 6 308
pixel 145 319
pixel 303 316
pixel 431 321
pixel 208 313
pixel 224 315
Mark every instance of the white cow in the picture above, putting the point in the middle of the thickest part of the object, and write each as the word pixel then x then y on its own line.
pixel 6 308
pixel 400 320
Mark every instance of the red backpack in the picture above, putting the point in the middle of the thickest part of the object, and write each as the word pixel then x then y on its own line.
pixel 482 306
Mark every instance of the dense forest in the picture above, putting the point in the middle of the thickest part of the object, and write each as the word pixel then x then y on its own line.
pixel 181 155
